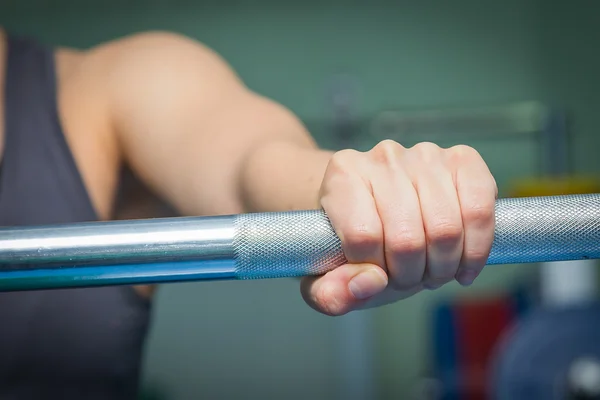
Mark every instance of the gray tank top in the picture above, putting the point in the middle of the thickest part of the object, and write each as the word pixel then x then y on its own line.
pixel 56 344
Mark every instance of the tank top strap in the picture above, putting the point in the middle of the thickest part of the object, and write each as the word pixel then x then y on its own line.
pixel 39 173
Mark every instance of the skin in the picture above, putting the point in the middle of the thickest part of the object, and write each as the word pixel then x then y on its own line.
pixel 174 112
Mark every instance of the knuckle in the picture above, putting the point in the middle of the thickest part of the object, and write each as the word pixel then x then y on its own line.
pixel 476 258
pixel 461 151
pixel 388 144
pixel 479 212
pixel 445 232
pixel 343 159
pixel 387 152
pixel 426 148
pixel 426 153
pixel 363 236
pixel 406 244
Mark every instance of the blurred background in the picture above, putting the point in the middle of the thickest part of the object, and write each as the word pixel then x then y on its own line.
pixel 518 80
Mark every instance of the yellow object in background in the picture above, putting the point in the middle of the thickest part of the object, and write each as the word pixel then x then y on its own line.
pixel 563 283
pixel 554 186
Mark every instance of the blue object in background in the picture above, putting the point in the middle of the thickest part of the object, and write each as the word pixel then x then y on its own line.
pixel 445 350
pixel 448 368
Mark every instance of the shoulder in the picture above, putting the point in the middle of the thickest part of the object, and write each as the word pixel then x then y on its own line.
pixel 164 41
pixel 151 43
pixel 151 70
pixel 159 55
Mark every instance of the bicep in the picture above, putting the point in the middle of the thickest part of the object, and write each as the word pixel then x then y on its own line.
pixel 185 123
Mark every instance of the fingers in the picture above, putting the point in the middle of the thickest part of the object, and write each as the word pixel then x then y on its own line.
pixel 344 289
pixel 477 192
pixel 441 214
pixel 400 212
pixel 408 219
pixel 329 294
pixel 350 205
pixel 348 200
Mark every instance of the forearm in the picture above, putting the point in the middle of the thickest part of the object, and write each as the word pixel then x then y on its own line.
pixel 283 176
pixel 194 134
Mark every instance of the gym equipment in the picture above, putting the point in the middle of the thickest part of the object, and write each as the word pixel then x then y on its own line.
pixel 261 245
pixel 464 335
pixel 544 126
pixel 553 354
pixel 567 282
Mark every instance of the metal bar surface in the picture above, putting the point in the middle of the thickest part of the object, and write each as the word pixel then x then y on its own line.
pixel 261 245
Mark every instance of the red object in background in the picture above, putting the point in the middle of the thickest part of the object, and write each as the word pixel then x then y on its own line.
pixel 479 324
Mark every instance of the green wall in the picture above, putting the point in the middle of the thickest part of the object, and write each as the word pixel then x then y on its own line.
pixel 403 54
pixel 569 44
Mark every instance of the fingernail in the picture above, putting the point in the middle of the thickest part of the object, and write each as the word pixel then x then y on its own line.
pixel 367 283
pixel 466 277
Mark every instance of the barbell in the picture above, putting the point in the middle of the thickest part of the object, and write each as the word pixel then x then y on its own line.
pixel 261 245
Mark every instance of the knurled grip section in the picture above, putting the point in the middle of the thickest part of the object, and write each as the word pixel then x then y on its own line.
pixel 532 229
pixel 543 229
pixel 288 244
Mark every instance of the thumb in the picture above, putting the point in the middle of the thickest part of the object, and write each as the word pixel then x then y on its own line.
pixel 344 289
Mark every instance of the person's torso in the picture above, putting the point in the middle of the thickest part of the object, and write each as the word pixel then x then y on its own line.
pixel 58 344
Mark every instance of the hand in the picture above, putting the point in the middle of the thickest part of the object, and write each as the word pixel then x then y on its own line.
pixel 409 219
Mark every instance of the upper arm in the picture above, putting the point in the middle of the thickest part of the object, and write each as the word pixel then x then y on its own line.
pixel 185 122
